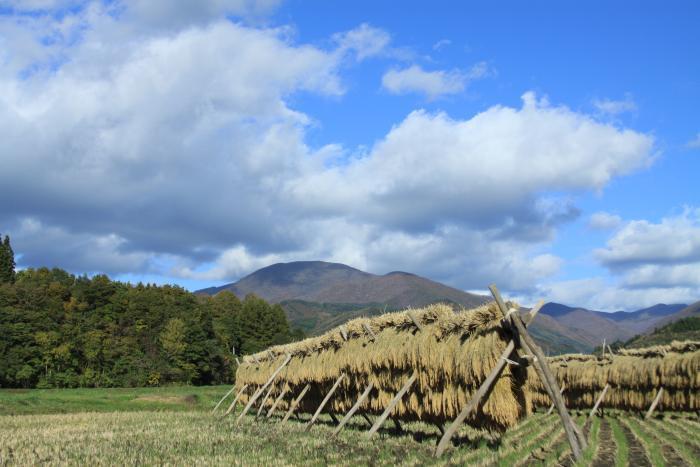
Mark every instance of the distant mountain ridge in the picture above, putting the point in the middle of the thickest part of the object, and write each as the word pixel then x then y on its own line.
pixel 318 295
pixel 323 282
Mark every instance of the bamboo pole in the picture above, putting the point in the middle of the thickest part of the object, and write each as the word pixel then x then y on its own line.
pixel 371 333
pixel 415 321
pixel 262 404
pixel 575 437
pixel 551 407
pixel 260 391
pixel 277 401
pixel 324 401
pixel 222 399
pixel 600 399
pixel 354 408
pixel 653 404
pixel 235 400
pixel 397 398
pixel 293 405
pixel 483 391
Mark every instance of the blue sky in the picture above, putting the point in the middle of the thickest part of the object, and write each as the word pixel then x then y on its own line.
pixel 550 148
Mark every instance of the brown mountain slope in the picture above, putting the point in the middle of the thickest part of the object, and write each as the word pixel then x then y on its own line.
pixel 321 282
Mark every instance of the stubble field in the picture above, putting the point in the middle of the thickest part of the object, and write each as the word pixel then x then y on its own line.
pixel 176 428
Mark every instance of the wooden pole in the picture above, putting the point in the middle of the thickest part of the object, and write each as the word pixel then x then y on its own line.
pixel 610 350
pixel 551 407
pixel 222 399
pixel 653 404
pixel 277 401
pixel 262 404
pixel 575 437
pixel 600 399
pixel 324 401
pixel 474 402
pixel 415 321
pixel 397 398
pixel 235 400
pixel 483 390
pixel 260 391
pixel 294 404
pixel 371 333
pixel 354 408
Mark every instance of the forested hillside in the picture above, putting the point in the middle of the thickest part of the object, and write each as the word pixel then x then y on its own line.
pixel 59 330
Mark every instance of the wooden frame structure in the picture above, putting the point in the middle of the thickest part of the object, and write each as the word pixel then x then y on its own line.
pixel 521 349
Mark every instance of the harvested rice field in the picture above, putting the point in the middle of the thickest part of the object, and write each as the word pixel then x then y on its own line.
pixel 196 437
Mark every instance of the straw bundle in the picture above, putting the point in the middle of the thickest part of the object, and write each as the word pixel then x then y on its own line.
pixel 634 376
pixel 452 354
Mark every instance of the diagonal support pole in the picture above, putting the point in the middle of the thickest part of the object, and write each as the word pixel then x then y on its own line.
pixel 354 408
pixel 397 398
pixel 324 401
pixel 259 392
pixel 295 402
pixel 551 407
pixel 277 401
pixel 655 403
pixel 262 404
pixel 575 437
pixel 600 399
pixel 222 399
pixel 235 400
pixel 483 391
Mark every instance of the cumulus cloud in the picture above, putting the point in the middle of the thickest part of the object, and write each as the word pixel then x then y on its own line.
pixel 604 221
pixel 649 263
pixel 615 107
pixel 182 147
pixel 433 84
pixel 674 240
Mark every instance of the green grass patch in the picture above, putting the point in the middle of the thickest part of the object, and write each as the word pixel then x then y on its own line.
pixel 650 444
pixel 623 449
pixel 50 401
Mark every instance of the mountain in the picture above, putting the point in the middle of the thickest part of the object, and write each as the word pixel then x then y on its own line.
pixel 588 328
pixel 682 325
pixel 322 282
pixel 318 295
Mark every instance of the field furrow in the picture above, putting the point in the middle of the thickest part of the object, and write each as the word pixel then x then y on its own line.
pixel 607 449
pixel 638 455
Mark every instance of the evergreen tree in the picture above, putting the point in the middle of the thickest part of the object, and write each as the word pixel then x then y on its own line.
pixel 7 261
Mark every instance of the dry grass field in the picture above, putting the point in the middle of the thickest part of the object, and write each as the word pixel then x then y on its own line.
pixel 195 437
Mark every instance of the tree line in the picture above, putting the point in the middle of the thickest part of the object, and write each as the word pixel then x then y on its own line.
pixel 62 330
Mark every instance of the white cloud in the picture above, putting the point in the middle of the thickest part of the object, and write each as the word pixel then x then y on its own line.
pixel 365 41
pixel 615 107
pixel 486 170
pixel 694 143
pixel 182 144
pixel 604 221
pixel 599 294
pixel 431 83
pixel 649 263
pixel 232 262
pixel 674 240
